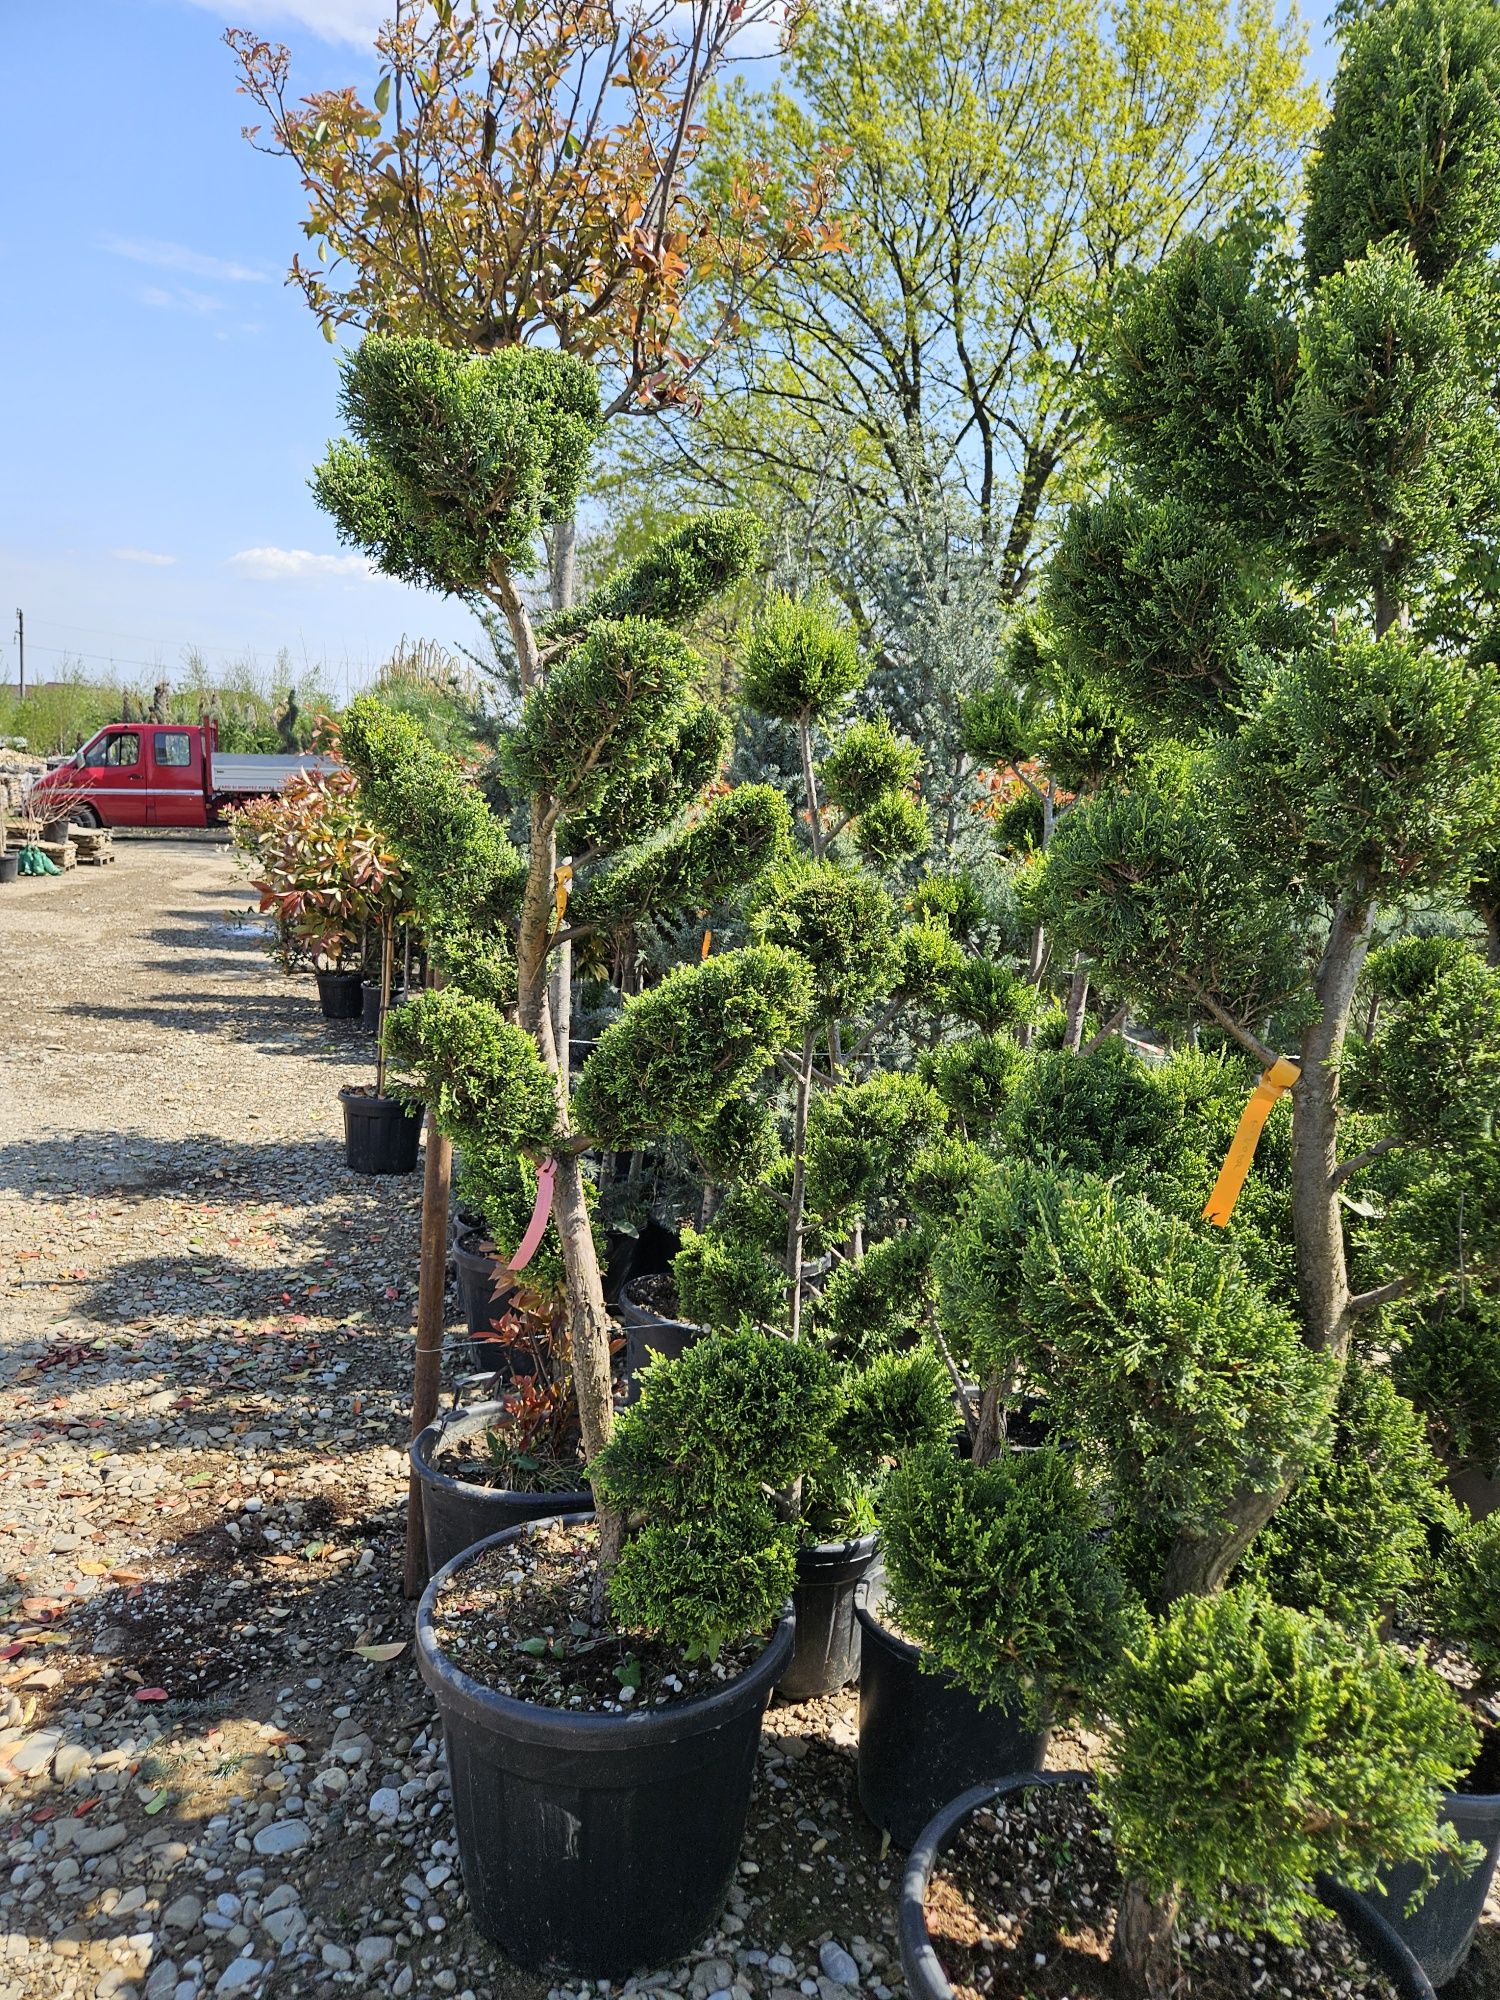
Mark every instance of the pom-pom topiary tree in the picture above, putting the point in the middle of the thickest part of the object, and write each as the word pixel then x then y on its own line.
pixel 452 467
pixel 1284 590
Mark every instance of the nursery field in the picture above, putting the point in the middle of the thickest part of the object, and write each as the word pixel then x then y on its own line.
pixel 205 1352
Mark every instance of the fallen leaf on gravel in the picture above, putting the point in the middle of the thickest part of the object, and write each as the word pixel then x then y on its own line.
pixel 155 1803
pixel 389 1652
pixel 94 1568
pixel 152 1694
pixel 126 1576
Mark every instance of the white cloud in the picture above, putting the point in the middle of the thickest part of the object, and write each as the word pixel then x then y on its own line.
pixel 331 20
pixel 296 565
pixel 177 257
pixel 182 298
pixel 143 556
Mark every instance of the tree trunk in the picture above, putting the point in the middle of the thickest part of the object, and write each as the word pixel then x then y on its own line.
pixel 795 1218
pixel 810 786
pixel 427 1365
pixel 1143 1941
pixel 1317 1219
pixel 1078 1001
pixel 588 1320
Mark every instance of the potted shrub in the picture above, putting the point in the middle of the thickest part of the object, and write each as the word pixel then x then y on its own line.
pixel 1254 1752
pixel 326 878
pixel 601 1767
pixel 1000 1610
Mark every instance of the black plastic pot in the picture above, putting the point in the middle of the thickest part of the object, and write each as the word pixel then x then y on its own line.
pixel 380 1133
pixel 1441 1928
pixel 456 1515
pixel 486 1288
pixel 648 1335
pixel 827 1652
pixel 926 1979
pixel 339 995
pixel 922 1737
pixel 369 1003
pixel 10 867
pixel 596 1844
pixel 57 830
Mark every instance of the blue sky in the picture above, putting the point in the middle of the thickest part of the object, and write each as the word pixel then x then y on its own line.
pixel 167 395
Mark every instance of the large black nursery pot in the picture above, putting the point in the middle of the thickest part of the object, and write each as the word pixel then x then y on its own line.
pixel 596 1844
pixel 457 1514
pixel 380 1133
pixel 1440 1930
pixel 826 1656
pixel 922 1737
pixel 10 866
pixel 926 1979
pixel 340 995
pixel 57 831
pixel 648 1335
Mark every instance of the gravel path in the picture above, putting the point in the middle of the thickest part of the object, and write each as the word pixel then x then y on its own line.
pixel 205 1338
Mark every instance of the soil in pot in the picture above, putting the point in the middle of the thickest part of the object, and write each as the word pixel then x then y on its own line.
pixel 490 1621
pixel 601 1783
pixel 1022 1905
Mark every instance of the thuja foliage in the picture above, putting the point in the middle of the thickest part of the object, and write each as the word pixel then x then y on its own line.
pixel 688 1045
pixel 1353 1536
pixel 676 578
pixel 1466 1594
pixel 1000 1573
pixel 481 1074
pixel 1449 1365
pixel 711 1432
pixel 1157 1346
pixel 1257 1745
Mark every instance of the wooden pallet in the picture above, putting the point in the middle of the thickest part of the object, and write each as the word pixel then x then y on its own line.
pixel 61 853
pixel 95 844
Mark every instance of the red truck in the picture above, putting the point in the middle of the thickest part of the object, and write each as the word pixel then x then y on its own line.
pixel 157 774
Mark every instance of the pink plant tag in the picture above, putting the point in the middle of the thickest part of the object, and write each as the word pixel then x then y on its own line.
pixel 526 1248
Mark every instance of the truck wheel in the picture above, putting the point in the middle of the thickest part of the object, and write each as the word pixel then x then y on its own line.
pixel 86 816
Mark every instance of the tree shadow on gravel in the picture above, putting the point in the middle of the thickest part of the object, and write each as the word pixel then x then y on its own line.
pixel 105 1164
pixel 273 1022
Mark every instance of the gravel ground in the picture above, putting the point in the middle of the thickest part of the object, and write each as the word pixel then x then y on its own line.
pixel 205 1338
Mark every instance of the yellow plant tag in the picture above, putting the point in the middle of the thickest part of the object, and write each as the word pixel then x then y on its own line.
pixel 1282 1074
pixel 563 880
pixel 708 938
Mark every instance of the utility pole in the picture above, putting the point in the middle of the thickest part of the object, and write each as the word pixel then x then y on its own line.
pixel 21 644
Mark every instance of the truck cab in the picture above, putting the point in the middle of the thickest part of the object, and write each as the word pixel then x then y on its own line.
pixel 139 774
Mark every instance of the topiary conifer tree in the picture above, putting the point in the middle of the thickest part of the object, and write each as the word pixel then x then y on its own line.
pixel 1286 589
pixel 452 467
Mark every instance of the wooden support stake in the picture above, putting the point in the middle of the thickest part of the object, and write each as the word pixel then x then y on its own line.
pixel 427 1375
